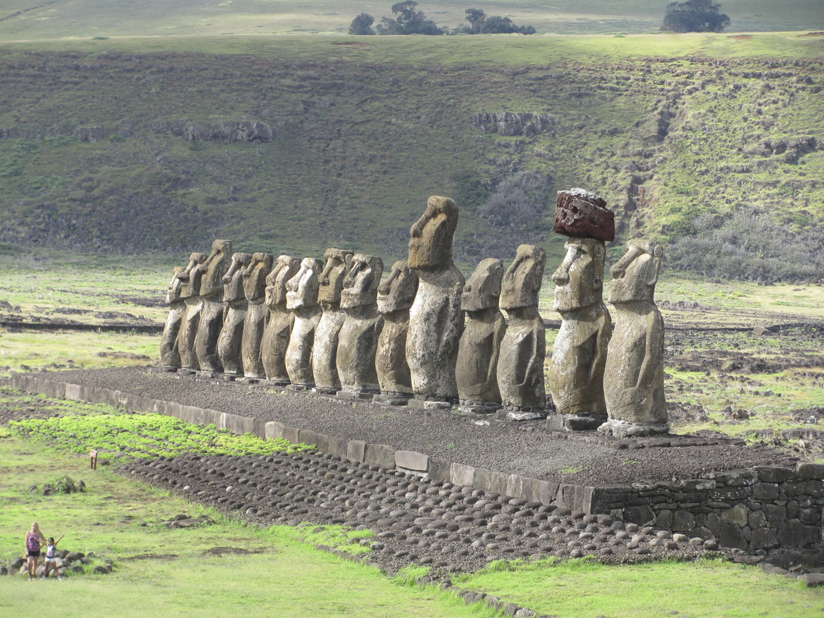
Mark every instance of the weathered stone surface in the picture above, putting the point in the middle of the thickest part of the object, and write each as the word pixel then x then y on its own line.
pixel 634 373
pixel 279 326
pixel 273 430
pixel 380 455
pixel 523 348
pixel 774 474
pixel 732 536
pixel 358 339
pixel 324 362
pixel 302 300
pixel 412 460
pixel 477 364
pixel 462 475
pixel 763 538
pixel 640 514
pixel 169 354
pixel 254 290
pixel 190 293
pixel 440 470
pixel 736 515
pixel 581 214
pixel 356 451
pixel 576 374
pixel 231 334
pixel 810 471
pixel 211 312
pixel 395 297
pixel 796 534
pixel 435 318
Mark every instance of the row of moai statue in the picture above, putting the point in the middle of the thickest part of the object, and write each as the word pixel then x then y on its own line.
pixel 425 337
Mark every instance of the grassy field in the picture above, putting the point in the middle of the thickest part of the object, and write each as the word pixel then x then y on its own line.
pixel 276 571
pixel 36 19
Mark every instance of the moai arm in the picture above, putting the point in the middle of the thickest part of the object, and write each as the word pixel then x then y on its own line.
pixel 498 336
pixel 451 335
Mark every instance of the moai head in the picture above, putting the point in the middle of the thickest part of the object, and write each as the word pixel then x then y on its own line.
pixel 522 280
pixel 239 262
pixel 254 277
pixel 302 289
pixel 634 276
pixel 360 287
pixel 191 276
pixel 579 280
pixel 216 266
pixel 484 286
pixel 430 245
pixel 398 291
pixel 232 285
pixel 285 268
pixel 334 272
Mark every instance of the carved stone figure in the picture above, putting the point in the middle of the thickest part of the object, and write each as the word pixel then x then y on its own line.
pixel 476 370
pixel 211 309
pixel 435 318
pixel 358 339
pixel 228 344
pixel 302 300
pixel 279 326
pixel 190 293
pixel 521 360
pixel 254 289
pixel 169 351
pixel 576 373
pixel 395 297
pixel 324 359
pixel 634 375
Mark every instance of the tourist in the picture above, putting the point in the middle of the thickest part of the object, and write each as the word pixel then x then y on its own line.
pixel 51 557
pixel 34 538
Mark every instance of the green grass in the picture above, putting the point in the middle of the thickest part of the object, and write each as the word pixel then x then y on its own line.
pixel 583 588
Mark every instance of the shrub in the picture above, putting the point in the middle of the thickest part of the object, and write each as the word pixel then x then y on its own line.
pixel 518 201
pixel 695 16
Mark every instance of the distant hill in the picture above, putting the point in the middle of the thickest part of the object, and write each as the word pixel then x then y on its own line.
pixel 297 144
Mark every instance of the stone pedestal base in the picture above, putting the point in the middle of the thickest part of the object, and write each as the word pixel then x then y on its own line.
pixel 625 429
pixel 231 377
pixel 478 407
pixel 524 414
pixel 324 390
pixel 572 422
pixel 355 393
pixel 186 372
pixel 278 383
pixel 209 374
pixel 427 404
pixel 392 399
pixel 248 380
pixel 300 387
pixel 169 368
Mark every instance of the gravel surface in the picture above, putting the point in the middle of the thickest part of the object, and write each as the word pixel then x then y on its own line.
pixel 515 448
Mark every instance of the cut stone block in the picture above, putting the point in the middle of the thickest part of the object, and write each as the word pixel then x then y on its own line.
pixel 581 214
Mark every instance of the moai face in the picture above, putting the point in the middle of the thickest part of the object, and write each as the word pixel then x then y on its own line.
pixel 484 286
pixel 398 291
pixel 430 245
pixel 522 280
pixel 254 277
pixel 239 261
pixel 302 289
pixel 285 268
pixel 191 276
pixel 334 272
pixel 216 265
pixel 634 276
pixel 579 280
pixel 232 280
pixel 361 284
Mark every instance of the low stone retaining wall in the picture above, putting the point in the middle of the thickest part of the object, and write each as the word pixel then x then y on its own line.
pixel 750 509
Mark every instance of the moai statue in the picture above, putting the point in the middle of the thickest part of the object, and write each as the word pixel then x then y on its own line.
pixel 395 297
pixel 254 289
pixel 169 352
pixel 576 374
pixel 358 340
pixel 279 327
pixel 302 300
pixel 190 280
pixel 477 367
pixel 324 358
pixel 634 374
pixel 228 344
pixel 211 306
pixel 435 318
pixel 523 349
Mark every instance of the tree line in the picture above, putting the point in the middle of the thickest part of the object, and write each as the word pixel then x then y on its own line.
pixel 409 20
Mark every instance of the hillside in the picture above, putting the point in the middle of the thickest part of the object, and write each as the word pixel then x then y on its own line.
pixel 296 144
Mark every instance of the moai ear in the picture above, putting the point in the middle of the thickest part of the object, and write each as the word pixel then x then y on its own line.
pixel 655 266
pixel 598 253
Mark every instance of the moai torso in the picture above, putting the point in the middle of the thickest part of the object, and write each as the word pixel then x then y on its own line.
pixel 476 369
pixel 324 360
pixel 634 375
pixel 231 334
pixel 395 297
pixel 302 300
pixel 254 290
pixel 576 374
pixel 523 349
pixel 435 318
pixel 279 326
pixel 190 293
pixel 211 310
pixel 358 340
pixel 169 343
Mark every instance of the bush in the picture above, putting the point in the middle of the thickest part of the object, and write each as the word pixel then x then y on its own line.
pixel 749 245
pixel 408 21
pixel 479 23
pixel 695 16
pixel 362 24
pixel 518 201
